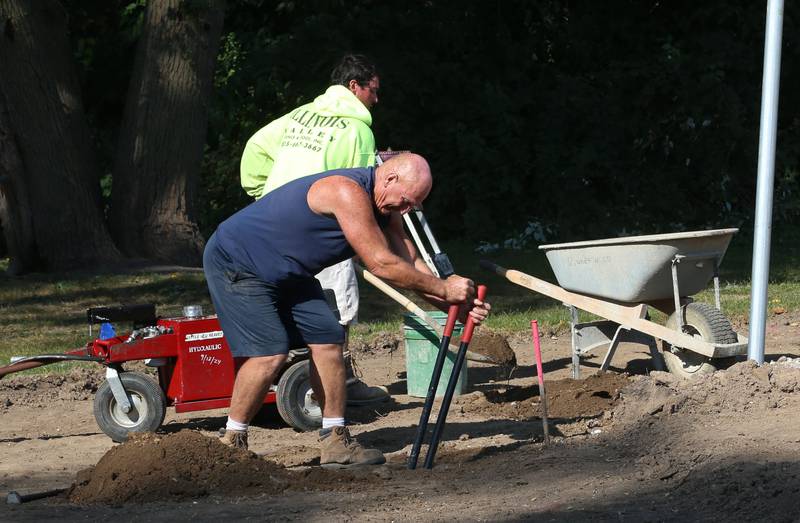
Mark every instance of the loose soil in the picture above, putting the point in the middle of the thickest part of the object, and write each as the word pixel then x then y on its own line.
pixel 625 445
pixel 566 399
pixel 188 465
pixel 493 346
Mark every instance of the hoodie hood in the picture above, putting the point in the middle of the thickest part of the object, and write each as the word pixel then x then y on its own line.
pixel 339 101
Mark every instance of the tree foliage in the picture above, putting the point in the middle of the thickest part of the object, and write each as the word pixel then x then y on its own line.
pixel 585 119
pixel 590 118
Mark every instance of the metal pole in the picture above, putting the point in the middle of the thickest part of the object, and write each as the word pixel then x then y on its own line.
pixel 766 177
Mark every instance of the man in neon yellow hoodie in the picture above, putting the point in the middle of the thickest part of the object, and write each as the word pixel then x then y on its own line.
pixel 332 132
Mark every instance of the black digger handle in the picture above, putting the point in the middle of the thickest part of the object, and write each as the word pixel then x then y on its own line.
pixel 448 397
pixel 422 428
pixel 466 337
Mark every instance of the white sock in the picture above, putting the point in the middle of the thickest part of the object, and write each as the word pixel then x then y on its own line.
pixel 332 422
pixel 235 425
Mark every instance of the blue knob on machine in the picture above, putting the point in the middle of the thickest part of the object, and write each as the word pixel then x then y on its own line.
pixel 107 331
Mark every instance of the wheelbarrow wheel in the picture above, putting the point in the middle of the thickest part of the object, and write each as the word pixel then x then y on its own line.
pixel 148 407
pixel 294 398
pixel 705 322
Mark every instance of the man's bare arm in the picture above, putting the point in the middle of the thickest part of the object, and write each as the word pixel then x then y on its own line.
pixel 345 200
pixel 402 245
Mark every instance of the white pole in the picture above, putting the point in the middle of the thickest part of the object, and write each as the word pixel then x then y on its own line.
pixel 766 177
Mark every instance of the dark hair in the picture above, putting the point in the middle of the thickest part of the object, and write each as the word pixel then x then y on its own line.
pixel 354 67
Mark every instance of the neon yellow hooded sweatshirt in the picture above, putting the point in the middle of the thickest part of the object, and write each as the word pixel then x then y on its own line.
pixel 332 132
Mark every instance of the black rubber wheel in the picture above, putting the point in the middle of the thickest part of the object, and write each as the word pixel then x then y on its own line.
pixel 294 398
pixel 147 412
pixel 709 324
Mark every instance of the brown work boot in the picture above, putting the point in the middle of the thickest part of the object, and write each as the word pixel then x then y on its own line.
pixel 340 450
pixel 359 393
pixel 234 438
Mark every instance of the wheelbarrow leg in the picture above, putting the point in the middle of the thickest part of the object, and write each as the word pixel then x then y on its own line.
pixel 612 348
pixel 576 357
pixel 658 359
pixel 624 334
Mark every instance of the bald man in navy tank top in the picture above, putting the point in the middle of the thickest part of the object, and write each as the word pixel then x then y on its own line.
pixel 260 266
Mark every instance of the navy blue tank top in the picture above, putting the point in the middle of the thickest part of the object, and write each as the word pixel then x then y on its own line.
pixel 279 238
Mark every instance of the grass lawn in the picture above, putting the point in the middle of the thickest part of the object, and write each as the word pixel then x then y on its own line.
pixel 43 313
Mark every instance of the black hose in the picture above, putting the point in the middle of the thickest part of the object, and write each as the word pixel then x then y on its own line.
pixel 58 357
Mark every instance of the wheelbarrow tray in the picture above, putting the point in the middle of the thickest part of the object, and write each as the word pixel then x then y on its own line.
pixel 637 269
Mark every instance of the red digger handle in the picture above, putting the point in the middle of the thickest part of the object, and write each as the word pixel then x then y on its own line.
pixel 452 316
pixel 470 326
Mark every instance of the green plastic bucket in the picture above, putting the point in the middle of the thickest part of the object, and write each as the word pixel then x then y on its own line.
pixel 422 347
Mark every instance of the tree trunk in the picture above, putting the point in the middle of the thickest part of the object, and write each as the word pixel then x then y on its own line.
pixel 163 132
pixel 54 191
pixel 16 215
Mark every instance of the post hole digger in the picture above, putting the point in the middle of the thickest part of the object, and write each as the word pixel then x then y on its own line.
pixel 422 428
pixel 434 383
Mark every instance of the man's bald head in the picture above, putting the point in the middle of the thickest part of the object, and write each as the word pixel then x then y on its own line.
pixel 402 183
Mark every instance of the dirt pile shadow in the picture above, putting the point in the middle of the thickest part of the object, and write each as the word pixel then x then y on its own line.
pixel 188 465
pixel 696 451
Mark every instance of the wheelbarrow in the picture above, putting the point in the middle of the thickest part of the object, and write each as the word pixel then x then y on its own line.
pixel 618 279
pixel 194 366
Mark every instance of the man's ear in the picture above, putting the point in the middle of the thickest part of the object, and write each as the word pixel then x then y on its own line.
pixel 352 84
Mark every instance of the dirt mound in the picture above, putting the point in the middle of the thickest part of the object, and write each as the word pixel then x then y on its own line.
pixel 382 342
pixel 187 465
pixel 300 455
pixel 493 345
pixel 37 390
pixel 566 398
pixel 668 426
pixel 743 387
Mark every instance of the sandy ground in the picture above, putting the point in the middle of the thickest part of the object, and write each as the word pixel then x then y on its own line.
pixel 639 448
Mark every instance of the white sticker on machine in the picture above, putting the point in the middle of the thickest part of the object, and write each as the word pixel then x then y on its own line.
pixel 203 336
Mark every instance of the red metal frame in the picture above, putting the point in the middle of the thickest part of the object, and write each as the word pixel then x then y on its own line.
pixel 199 371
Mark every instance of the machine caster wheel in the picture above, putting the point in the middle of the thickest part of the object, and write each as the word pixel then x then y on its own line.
pixel 707 323
pixel 148 407
pixel 294 398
